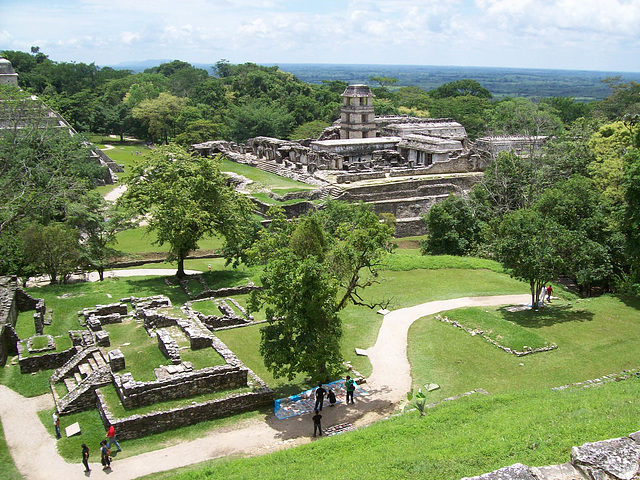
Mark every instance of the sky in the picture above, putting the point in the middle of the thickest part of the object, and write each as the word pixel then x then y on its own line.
pixel 556 34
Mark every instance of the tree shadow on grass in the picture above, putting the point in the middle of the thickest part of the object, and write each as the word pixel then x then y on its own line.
pixel 225 278
pixel 547 316
pixel 629 301
pixel 145 287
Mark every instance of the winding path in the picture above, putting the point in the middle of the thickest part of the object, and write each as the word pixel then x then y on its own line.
pixel 34 449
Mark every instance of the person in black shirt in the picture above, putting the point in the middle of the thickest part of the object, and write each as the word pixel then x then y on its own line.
pixel 316 423
pixel 85 457
pixel 320 393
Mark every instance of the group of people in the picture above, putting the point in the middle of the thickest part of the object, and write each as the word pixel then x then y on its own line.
pixel 350 387
pixel 105 450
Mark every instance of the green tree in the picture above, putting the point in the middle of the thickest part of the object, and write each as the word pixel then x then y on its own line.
pixel 52 249
pixel 531 247
pixel 461 88
pixel 314 267
pixel 519 116
pixel 160 115
pixel 41 165
pixel 185 198
pixel 577 207
pixel 453 228
pixel 98 225
pixel 260 119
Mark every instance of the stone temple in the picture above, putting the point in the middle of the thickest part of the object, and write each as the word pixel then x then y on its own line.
pixel 401 165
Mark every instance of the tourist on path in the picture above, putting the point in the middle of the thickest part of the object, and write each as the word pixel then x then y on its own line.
pixel 316 423
pixel 56 424
pixel 85 457
pixel 331 395
pixel 111 438
pixel 350 386
pixel 320 393
pixel 104 455
pixel 549 292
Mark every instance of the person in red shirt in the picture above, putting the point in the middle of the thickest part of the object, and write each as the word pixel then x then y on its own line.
pixel 111 438
pixel 549 292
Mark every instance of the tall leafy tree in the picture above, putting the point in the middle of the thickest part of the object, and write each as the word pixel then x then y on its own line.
pixel 185 198
pixel 98 224
pixel 314 267
pixel 531 247
pixel 52 249
pixel 453 228
pixel 41 165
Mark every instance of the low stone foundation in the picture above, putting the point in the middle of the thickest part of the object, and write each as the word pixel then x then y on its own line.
pixel 181 385
pixel 46 361
pixel 138 426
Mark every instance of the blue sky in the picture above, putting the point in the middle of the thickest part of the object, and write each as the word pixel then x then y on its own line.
pixel 561 34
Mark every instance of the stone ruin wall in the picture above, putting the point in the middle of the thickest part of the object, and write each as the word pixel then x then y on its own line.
pixel 180 385
pixel 137 426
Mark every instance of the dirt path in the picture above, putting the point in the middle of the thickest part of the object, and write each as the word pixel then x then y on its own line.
pixel 34 450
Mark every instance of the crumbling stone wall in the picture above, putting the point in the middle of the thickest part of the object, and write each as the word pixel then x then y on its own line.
pixel 180 385
pixel 137 426
pixel 46 361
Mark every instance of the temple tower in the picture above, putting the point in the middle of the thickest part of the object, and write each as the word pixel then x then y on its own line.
pixel 8 75
pixel 357 116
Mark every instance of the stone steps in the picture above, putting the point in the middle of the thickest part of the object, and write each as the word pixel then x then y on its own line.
pixel 70 383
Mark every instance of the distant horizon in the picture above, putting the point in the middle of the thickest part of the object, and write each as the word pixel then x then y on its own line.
pixel 212 64
pixel 585 35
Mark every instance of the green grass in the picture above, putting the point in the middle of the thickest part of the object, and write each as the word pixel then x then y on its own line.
pixel 63 342
pixel 142 354
pixel 8 470
pixel 468 437
pixel 244 342
pixel 30 385
pixel 411 259
pixel 140 241
pixel 499 326
pixel 263 179
pixel 594 337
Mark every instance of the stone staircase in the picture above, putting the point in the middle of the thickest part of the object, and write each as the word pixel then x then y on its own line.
pixel 81 375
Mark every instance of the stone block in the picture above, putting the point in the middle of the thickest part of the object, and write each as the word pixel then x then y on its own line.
pixel 116 360
pixel 102 338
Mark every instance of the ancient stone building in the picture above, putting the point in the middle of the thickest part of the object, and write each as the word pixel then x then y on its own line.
pixel 357 116
pixel 8 75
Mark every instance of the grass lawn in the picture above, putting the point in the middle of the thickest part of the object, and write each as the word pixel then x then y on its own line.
pixel 264 180
pixel 138 241
pixel 8 470
pixel 594 336
pixel 468 437
pixel 141 352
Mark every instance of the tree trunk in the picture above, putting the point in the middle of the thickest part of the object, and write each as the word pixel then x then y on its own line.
pixel 101 273
pixel 180 273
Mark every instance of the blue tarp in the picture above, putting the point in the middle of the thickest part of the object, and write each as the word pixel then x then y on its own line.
pixel 305 401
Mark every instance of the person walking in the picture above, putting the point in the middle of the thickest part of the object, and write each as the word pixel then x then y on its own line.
pixel 316 423
pixel 320 393
pixel 56 424
pixel 85 457
pixel 350 386
pixel 104 455
pixel 111 438
pixel 549 292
